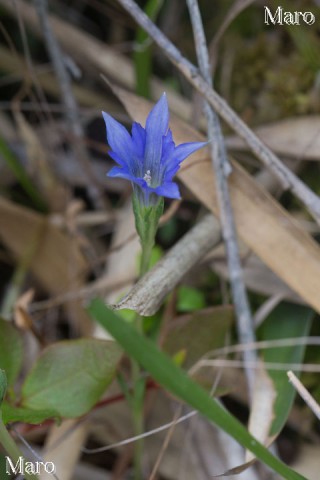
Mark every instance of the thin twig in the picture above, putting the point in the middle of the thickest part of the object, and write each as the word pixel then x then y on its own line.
pixel 102 285
pixel 69 101
pixel 222 170
pixel 287 178
pixel 166 442
pixel 236 8
pixel 266 308
pixel 139 437
pixel 276 366
pixel 32 450
pixel 304 394
pixel 285 342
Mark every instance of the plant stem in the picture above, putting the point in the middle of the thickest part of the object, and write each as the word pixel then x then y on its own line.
pixel 145 258
pixel 12 449
pixel 138 417
pixel 139 382
pixel 222 169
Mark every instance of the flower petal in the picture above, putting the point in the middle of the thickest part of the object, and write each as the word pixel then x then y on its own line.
pixel 168 147
pixel 120 173
pixel 168 189
pixel 124 173
pixel 117 159
pixel 158 118
pixel 184 150
pixel 156 127
pixel 138 138
pixel 170 172
pixel 118 137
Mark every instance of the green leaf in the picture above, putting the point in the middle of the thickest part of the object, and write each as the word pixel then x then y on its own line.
pixel 11 350
pixel 190 299
pixel 176 381
pixel 286 321
pixel 70 376
pixel 11 414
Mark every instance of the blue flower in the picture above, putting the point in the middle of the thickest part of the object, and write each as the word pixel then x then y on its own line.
pixel 148 158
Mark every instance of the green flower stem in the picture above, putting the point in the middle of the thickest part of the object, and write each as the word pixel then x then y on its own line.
pixel 11 448
pixel 138 416
pixel 137 405
pixel 145 258
pixel 147 219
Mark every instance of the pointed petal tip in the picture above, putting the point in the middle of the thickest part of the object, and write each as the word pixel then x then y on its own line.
pixel 168 189
pixel 106 117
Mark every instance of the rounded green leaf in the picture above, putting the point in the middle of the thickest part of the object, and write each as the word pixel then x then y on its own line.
pixel 11 350
pixel 11 414
pixel 70 376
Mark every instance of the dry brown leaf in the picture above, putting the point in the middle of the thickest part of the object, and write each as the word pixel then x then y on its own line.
pixel 293 137
pixel 20 312
pixel 54 258
pixel 256 275
pixel 266 227
pixel 54 192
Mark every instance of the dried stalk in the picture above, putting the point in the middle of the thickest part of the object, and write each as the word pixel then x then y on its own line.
pixel 304 394
pixel 222 168
pixel 69 101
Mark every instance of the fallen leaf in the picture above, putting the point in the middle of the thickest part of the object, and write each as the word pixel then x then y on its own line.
pixel 293 137
pixel 54 258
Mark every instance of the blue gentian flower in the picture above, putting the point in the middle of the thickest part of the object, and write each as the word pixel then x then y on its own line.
pixel 148 158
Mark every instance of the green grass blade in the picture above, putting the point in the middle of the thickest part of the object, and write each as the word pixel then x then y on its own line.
pixel 175 380
pixel 142 56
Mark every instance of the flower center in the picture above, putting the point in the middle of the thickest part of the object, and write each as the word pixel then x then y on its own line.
pixel 147 178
